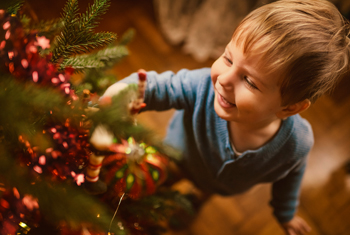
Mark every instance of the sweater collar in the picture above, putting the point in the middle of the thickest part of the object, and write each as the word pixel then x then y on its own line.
pixel 271 147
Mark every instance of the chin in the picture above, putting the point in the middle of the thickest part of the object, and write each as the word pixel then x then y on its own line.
pixel 221 113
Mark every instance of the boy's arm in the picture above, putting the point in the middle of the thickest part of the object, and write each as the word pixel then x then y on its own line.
pixel 285 194
pixel 166 90
pixel 285 200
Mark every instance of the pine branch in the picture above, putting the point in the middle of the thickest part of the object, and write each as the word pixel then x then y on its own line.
pixel 80 64
pixel 127 37
pixel 95 80
pixel 162 208
pixel 35 103
pixel 11 6
pixel 77 36
pixel 99 60
pixel 48 28
pixel 89 19
pixel 91 42
pixel 70 12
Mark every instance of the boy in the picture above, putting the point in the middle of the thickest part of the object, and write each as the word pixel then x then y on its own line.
pixel 238 123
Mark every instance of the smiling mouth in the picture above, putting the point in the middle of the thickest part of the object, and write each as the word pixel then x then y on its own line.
pixel 225 103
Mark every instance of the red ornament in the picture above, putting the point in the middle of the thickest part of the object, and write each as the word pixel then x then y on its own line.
pixel 135 169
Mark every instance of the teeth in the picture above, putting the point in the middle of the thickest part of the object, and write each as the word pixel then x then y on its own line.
pixel 226 101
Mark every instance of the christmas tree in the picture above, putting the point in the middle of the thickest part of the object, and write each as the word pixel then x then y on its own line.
pixel 70 161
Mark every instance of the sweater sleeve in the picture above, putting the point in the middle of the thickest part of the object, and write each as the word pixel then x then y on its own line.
pixel 285 194
pixel 170 90
pixel 286 191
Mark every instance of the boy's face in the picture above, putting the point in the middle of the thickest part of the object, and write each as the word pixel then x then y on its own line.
pixel 244 93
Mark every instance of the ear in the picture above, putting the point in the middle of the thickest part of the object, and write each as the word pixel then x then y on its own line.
pixel 293 109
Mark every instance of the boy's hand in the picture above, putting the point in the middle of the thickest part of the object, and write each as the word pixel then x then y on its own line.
pixel 297 226
pixel 114 89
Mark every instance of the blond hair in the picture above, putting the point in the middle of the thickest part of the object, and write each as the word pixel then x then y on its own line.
pixel 306 42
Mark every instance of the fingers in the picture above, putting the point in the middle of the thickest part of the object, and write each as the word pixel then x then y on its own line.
pixel 297 226
pixel 290 231
pixel 302 227
pixel 115 89
pixel 305 228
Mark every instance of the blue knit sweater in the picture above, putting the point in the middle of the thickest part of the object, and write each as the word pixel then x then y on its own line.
pixel 203 138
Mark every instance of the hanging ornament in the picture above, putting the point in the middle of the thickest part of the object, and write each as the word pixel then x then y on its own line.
pixel 101 139
pixel 136 169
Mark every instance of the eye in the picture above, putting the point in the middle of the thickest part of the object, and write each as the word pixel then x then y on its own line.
pixel 227 60
pixel 249 83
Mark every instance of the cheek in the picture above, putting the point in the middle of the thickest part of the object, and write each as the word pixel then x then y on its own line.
pixel 214 72
pixel 256 105
pixel 248 102
pixel 213 78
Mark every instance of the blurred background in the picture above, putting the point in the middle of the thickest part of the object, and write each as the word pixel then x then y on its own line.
pixel 171 35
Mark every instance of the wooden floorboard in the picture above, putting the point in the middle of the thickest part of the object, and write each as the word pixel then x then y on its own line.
pixel 325 196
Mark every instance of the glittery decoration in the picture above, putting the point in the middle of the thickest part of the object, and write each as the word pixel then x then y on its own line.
pixel 11 54
pixel 42 160
pixel 70 152
pixel 38 169
pixel 78 178
pixel 6 25
pixel 16 193
pixel 30 202
pixel 17 211
pixel 21 55
pixel 24 63
pixel 43 42
pixel 25 227
pixel 35 76
pixel 2 44
pixel 7 35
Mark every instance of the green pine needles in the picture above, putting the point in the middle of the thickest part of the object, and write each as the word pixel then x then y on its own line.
pixel 11 6
pixel 97 60
pixel 77 36
pixel 102 59
pixel 47 28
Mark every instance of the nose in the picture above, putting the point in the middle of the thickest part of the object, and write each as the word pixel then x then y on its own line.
pixel 227 78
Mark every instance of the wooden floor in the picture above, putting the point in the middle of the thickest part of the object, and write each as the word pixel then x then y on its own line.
pixel 325 197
